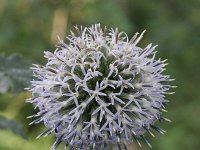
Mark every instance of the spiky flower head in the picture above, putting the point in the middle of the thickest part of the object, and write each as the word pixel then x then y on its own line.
pixel 100 89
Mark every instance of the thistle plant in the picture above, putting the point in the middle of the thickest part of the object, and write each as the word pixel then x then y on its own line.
pixel 100 89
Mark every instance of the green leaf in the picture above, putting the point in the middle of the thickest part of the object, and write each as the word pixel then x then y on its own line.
pixel 5 83
pixel 12 125
pixel 15 74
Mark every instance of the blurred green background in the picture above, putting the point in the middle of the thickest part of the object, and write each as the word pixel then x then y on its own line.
pixel 29 27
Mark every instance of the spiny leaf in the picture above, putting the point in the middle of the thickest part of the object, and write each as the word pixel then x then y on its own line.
pixel 14 73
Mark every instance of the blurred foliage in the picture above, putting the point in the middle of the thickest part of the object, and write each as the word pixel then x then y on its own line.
pixel 28 27
pixel 14 73
pixel 10 141
pixel 13 126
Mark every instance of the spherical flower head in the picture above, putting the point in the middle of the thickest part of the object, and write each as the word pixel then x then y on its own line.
pixel 100 89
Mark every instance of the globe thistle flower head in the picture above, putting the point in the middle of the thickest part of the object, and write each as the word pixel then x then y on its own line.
pixel 100 89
